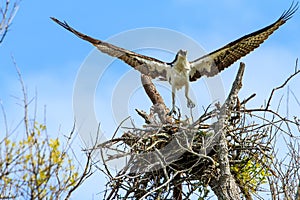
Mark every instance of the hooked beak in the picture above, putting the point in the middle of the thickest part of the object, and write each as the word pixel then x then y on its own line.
pixel 182 53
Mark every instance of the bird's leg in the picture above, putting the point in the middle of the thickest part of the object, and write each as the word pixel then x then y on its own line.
pixel 190 103
pixel 173 101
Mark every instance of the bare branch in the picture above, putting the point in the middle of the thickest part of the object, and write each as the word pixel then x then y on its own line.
pixel 159 107
pixel 7 14
pixel 225 179
pixel 282 85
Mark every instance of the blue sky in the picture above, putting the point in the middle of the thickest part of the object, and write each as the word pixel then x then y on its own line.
pixel 49 57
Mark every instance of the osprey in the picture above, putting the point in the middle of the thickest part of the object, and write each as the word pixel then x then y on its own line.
pixel 181 71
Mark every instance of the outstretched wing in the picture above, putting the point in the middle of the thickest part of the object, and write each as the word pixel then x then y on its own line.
pixel 212 63
pixel 146 65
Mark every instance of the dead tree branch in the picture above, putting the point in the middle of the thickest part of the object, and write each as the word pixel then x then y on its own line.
pixel 224 185
pixel 159 107
pixel 297 71
pixel 7 14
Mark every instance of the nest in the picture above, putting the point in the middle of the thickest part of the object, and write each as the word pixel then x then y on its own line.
pixel 168 154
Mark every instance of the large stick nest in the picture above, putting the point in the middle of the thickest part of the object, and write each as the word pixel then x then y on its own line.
pixel 171 152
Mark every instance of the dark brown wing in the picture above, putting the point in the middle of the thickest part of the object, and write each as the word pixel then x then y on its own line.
pixel 146 65
pixel 212 63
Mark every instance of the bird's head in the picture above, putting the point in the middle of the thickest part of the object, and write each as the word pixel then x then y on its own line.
pixel 180 57
pixel 182 53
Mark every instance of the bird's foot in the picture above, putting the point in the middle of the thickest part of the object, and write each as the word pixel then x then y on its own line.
pixel 190 104
pixel 172 111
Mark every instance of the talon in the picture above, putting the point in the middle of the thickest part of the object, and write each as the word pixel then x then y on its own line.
pixel 190 104
pixel 172 111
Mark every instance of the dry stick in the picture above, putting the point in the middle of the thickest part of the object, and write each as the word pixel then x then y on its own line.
pixel 161 186
pixel 249 98
pixel 144 115
pixel 119 127
pixel 205 116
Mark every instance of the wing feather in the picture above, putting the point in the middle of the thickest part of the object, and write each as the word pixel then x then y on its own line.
pixel 212 63
pixel 145 64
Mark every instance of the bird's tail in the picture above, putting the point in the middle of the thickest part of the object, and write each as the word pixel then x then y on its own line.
pixel 77 33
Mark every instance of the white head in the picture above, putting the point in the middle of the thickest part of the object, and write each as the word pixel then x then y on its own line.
pixel 182 53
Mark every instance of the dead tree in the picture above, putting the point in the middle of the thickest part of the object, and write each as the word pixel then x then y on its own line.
pixel 229 150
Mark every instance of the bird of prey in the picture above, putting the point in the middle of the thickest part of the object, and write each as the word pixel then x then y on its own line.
pixel 181 71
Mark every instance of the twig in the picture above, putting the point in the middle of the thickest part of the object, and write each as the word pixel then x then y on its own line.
pixel 4 118
pixel 119 126
pixel 87 172
pixel 281 86
pixel 25 98
pixel 159 187
pixel 249 98
pixel 7 15
pixel 144 115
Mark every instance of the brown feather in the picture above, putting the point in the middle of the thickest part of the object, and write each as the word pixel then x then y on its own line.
pixel 227 55
pixel 137 61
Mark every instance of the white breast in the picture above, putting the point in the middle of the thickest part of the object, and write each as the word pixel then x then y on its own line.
pixel 178 75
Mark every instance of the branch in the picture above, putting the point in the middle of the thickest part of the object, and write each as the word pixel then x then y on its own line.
pixel 25 98
pixel 7 14
pixel 225 185
pixel 151 91
pixel 144 115
pixel 248 99
pixel 297 71
pixel 159 107
pixel 87 172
